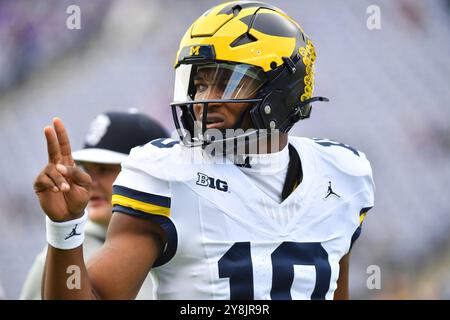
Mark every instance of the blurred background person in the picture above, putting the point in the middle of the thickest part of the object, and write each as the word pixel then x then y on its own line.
pixel 110 138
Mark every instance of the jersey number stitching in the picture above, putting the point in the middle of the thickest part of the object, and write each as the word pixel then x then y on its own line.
pixel 163 144
pixel 330 143
pixel 236 264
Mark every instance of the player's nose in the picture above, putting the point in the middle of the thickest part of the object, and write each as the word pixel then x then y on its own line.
pixel 214 107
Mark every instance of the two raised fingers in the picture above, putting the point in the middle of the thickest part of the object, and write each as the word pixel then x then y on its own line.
pixel 59 158
pixel 58 144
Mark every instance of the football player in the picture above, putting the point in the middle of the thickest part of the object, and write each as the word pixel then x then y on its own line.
pixel 214 218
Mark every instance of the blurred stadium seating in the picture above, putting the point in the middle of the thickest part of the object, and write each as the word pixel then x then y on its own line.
pixel 389 92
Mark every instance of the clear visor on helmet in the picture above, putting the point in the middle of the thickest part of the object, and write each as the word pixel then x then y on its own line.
pixel 217 81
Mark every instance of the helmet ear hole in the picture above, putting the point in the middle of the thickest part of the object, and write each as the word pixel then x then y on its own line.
pixel 273 65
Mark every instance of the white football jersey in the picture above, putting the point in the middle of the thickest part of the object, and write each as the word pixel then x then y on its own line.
pixel 228 240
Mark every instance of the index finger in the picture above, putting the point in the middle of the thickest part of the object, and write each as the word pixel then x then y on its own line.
pixel 64 143
pixel 54 153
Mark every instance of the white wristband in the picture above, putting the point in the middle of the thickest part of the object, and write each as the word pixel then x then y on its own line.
pixel 68 234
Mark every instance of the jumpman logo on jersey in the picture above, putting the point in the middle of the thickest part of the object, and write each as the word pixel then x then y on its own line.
pixel 73 233
pixel 330 192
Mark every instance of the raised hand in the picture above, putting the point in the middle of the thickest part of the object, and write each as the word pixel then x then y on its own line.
pixel 62 188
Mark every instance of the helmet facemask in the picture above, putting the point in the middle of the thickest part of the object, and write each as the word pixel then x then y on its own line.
pixel 212 103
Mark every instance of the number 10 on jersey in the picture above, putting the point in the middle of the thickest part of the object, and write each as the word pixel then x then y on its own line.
pixel 236 264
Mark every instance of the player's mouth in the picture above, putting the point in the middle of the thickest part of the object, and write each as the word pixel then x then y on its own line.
pixel 215 120
pixel 97 201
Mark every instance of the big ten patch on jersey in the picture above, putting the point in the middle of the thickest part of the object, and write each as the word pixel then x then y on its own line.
pixel 210 182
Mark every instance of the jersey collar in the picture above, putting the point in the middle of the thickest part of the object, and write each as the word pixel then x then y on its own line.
pixel 266 164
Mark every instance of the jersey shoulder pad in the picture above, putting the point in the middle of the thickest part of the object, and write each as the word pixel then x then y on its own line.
pixel 343 157
pixel 165 159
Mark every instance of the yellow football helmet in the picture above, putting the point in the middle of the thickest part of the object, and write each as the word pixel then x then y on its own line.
pixel 253 53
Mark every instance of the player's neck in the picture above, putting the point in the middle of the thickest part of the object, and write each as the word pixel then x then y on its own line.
pixel 275 143
pixel 264 163
pixel 271 156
